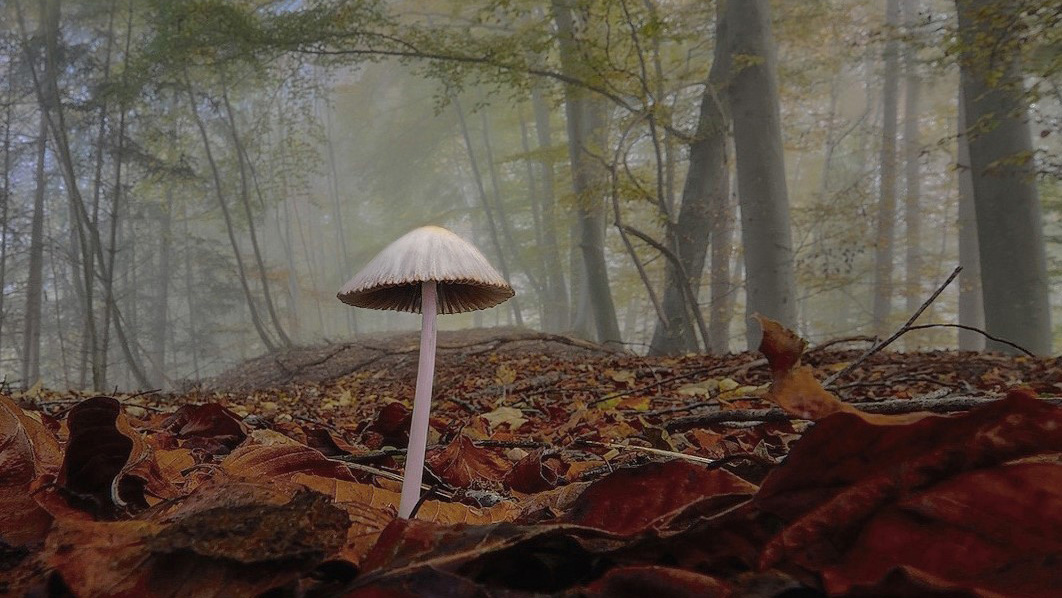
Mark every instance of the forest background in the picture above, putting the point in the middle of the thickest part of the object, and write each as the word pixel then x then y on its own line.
pixel 187 184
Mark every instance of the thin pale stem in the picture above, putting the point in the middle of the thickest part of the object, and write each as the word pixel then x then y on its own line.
pixel 418 429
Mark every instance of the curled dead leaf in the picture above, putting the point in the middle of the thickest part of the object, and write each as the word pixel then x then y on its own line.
pixel 27 450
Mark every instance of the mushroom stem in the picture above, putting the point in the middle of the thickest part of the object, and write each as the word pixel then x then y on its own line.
pixel 418 428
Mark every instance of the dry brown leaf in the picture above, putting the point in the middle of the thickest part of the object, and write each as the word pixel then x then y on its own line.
pixel 27 450
pixel 462 463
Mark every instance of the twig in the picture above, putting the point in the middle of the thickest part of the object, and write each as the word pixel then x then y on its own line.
pixel 903 329
pixel 390 476
pixel 648 450
pixel 977 330
pixel 890 407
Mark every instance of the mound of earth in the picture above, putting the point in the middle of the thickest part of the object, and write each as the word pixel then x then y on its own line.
pixel 386 351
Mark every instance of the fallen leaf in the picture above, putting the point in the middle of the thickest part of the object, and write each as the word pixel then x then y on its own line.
pixel 846 469
pixel 989 532
pixel 27 450
pixel 532 474
pixel 505 415
pixel 462 463
pixel 634 499
pixel 281 461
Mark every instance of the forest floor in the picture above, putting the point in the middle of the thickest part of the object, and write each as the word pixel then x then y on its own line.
pixel 555 467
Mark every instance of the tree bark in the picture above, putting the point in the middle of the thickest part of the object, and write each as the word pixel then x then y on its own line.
pixel 703 199
pixel 1009 224
pixel 587 136
pixel 721 302
pixel 556 286
pixel 912 145
pixel 765 234
pixel 971 308
pixel 5 198
pixel 488 210
pixel 31 331
pixel 256 320
pixel 886 225
pixel 243 160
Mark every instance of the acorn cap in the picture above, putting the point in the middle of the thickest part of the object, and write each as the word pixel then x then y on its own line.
pixel 392 280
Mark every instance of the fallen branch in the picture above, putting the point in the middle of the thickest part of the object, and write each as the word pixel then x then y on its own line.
pixel 907 327
pixel 649 451
pixel 890 407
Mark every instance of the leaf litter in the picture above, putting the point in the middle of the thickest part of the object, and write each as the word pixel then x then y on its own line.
pixel 555 468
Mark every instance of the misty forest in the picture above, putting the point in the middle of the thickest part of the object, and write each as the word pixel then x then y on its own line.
pixel 530 298
pixel 187 185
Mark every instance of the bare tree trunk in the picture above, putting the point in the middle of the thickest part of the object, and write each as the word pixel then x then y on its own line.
pixel 535 202
pixel 190 295
pixel 556 286
pixel 337 215
pixel 587 136
pixel 721 301
pixel 31 332
pixel 912 145
pixel 770 285
pixel 703 197
pixel 256 320
pixel 1009 224
pixel 499 205
pixel 971 308
pixel 883 248
pixel 160 310
pixel 243 160
pixel 5 198
pixel 488 210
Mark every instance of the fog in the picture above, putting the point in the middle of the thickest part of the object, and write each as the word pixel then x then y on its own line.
pixel 187 185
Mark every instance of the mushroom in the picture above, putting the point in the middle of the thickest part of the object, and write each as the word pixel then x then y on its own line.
pixel 429 270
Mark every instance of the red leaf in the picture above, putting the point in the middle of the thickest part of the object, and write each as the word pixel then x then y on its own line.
pixel 994 531
pixel 210 421
pixel 532 474
pixel 462 463
pixel 847 470
pixel 631 500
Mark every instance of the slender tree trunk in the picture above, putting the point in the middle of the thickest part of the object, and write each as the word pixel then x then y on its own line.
pixel 504 221
pixel 488 209
pixel 337 215
pixel 971 308
pixel 556 286
pixel 256 320
pixel 535 202
pixel 912 145
pixel 5 198
pixel 190 295
pixel 160 310
pixel 703 197
pixel 883 250
pixel 31 334
pixel 587 137
pixel 722 290
pixel 1009 224
pixel 753 94
pixel 243 160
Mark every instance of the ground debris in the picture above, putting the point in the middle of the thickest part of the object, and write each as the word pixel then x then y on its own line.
pixel 556 468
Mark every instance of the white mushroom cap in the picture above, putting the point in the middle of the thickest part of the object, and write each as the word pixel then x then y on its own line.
pixel 466 280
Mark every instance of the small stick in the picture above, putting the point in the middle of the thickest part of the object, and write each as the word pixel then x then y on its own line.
pixel 390 476
pixel 977 330
pixel 890 407
pixel 650 451
pixel 903 329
